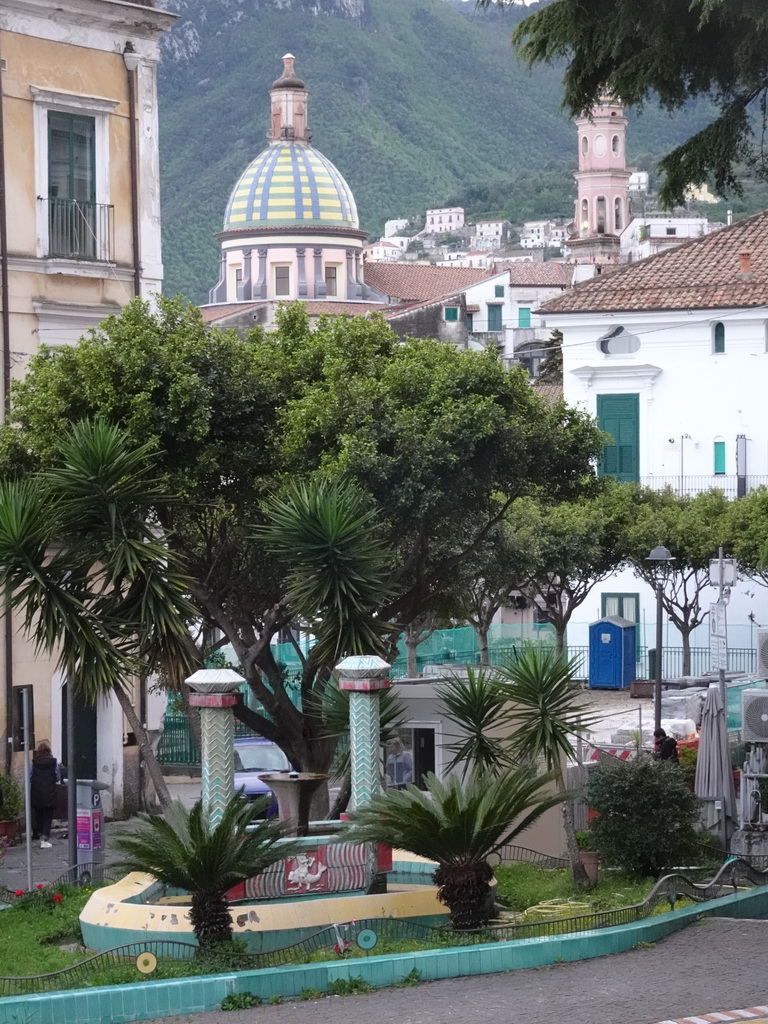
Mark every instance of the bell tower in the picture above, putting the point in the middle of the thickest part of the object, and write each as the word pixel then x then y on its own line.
pixel 602 207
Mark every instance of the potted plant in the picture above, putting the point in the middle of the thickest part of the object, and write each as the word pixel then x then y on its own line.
pixel 11 803
pixel 588 855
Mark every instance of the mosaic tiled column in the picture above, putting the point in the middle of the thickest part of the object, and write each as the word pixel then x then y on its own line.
pixel 214 692
pixel 364 678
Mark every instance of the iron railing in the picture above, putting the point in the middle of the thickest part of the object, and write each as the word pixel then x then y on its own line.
pixel 668 890
pixel 79 230
pixel 693 485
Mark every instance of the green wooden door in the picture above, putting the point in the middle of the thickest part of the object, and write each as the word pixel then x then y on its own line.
pixel 619 416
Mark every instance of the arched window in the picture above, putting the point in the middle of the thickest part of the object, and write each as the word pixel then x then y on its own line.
pixel 618 214
pixel 718 338
pixel 600 212
pixel 615 145
pixel 584 145
pixel 584 226
pixel 618 342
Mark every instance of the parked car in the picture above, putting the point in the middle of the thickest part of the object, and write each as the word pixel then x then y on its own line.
pixel 254 757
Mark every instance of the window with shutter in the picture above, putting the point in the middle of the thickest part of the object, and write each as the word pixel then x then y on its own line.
pixel 619 416
pixel 494 318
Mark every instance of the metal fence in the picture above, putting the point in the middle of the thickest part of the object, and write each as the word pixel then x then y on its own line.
pixel 740 659
pixel 80 230
pixel 666 893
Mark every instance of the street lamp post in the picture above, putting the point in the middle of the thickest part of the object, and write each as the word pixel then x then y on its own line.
pixel 661 556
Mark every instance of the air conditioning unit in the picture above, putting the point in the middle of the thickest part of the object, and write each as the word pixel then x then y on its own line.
pixel 754 716
pixel 762 654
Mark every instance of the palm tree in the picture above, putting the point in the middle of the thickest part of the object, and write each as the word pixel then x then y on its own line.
pixel 457 824
pixel 183 850
pixel 475 705
pixel 82 555
pixel 546 712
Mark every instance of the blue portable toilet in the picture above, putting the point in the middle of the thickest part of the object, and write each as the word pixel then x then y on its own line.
pixel 612 653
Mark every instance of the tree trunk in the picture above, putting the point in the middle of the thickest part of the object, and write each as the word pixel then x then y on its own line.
pixel 580 877
pixel 210 919
pixel 410 646
pixel 559 639
pixel 341 802
pixel 482 640
pixel 686 638
pixel 465 889
pixel 147 753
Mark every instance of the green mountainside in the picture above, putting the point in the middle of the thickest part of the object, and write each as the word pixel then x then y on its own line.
pixel 416 101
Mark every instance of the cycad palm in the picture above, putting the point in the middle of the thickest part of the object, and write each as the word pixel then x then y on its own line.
pixel 546 711
pixel 183 850
pixel 458 824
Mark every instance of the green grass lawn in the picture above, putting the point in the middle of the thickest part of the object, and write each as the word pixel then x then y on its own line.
pixel 522 886
pixel 30 935
pixel 32 931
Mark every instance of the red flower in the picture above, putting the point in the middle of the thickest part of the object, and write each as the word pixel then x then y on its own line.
pixel 19 892
pixel 341 948
pixel 40 885
pixel 58 898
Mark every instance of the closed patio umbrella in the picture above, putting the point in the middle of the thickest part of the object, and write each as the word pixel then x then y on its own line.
pixel 714 777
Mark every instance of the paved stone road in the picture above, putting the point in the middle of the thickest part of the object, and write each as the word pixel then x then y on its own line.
pixel 711 966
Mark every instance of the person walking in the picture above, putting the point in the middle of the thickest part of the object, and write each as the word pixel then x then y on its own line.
pixel 44 774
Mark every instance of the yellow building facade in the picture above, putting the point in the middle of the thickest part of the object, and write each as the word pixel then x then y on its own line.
pixel 79 237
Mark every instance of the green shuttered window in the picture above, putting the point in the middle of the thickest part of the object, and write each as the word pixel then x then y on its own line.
pixel 619 416
pixel 719 457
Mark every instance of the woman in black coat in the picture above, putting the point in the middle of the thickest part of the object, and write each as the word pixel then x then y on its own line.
pixel 43 777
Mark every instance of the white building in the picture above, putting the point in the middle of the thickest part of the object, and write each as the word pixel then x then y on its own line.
pixel 646 236
pixel 438 222
pixel 671 355
pixel 638 181
pixel 475 258
pixel 394 227
pixel 491 233
pixel 538 234
pixel 381 251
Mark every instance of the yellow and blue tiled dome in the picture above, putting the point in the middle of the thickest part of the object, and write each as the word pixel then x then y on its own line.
pixel 290 184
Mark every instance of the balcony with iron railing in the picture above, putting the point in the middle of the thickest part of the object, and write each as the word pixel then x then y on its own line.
pixel 79 230
pixel 692 485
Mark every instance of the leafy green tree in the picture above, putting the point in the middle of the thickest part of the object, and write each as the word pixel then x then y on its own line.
pixel 547 710
pixel 671 51
pixel 646 815
pixel 79 554
pixel 437 442
pixel 183 850
pixel 748 531
pixel 496 572
pixel 576 545
pixel 458 824
pixel 692 529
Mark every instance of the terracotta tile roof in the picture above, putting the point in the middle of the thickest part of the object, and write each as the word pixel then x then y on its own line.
pixel 548 390
pixel 543 275
pixel 414 282
pixel 314 307
pixel 212 313
pixel 702 274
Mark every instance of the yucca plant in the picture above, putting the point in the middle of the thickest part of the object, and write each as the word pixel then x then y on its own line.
pixel 458 824
pixel 476 705
pixel 182 849
pixel 546 711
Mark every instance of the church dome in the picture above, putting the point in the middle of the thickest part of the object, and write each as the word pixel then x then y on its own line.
pixel 290 184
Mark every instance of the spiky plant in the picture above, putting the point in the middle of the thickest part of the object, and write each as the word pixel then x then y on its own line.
pixel 182 849
pixel 546 711
pixel 476 705
pixel 458 824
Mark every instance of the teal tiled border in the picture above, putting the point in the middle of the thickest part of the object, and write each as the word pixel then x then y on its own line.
pixel 135 1002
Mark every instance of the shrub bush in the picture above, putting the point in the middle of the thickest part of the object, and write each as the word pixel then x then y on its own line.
pixel 646 815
